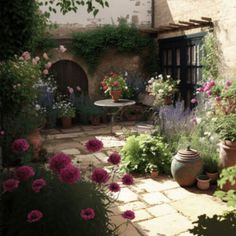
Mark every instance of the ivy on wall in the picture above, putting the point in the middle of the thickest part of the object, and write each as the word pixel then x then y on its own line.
pixel 92 45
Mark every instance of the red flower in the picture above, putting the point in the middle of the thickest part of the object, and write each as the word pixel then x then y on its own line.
pixel 100 176
pixel 10 185
pixel 59 161
pixel 129 215
pixel 127 179
pixel 23 173
pixel 94 145
pixel 114 187
pixel 34 216
pixel 20 146
pixel 114 158
pixel 38 184
pixel 70 174
pixel 87 214
pixel 116 84
pixel 105 88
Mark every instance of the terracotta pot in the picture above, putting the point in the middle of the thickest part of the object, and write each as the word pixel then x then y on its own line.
pixel 36 140
pixel 213 176
pixel 66 122
pixel 154 173
pixel 95 120
pixel 168 101
pixel 115 95
pixel 227 154
pixel 203 182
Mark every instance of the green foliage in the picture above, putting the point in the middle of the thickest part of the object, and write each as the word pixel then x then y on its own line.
pixel 225 127
pixel 210 161
pixel 61 205
pixel 92 45
pixel 210 60
pixel 227 175
pixel 143 152
pixel 22 27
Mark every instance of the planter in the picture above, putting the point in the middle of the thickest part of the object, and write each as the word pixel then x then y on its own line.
pixel 227 154
pixel 36 141
pixel 168 101
pixel 154 173
pixel 115 95
pixel 95 120
pixel 186 165
pixel 213 176
pixel 66 122
pixel 203 182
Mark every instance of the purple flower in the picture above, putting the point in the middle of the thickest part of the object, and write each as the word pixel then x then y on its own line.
pixel 87 214
pixel 34 216
pixel 70 174
pixel 114 158
pixel 228 83
pixel 114 187
pixel 20 146
pixel 59 161
pixel 129 215
pixel 127 179
pixel 23 173
pixel 38 184
pixel 100 176
pixel 94 145
pixel 10 185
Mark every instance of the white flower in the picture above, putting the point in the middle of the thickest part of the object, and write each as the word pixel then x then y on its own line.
pixel 37 107
pixel 62 48
pixel 160 91
pixel 151 80
pixel 168 76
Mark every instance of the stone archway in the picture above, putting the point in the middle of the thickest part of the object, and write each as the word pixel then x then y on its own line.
pixel 69 73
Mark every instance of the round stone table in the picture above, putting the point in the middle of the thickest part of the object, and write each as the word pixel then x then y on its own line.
pixel 108 103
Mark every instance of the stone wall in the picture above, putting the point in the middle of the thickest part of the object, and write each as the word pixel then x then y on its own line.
pixel 223 14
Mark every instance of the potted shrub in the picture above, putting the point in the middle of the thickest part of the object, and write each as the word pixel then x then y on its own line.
pixel 203 182
pixel 210 165
pixel 114 84
pixel 154 171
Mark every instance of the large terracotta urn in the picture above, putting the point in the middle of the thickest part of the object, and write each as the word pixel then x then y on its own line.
pixel 186 166
pixel 115 95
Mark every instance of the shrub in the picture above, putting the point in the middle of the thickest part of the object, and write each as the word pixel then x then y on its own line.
pixel 141 153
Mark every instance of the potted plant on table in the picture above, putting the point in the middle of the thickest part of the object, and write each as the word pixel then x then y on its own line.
pixel 114 84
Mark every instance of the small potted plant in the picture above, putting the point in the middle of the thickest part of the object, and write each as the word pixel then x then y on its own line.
pixel 210 165
pixel 114 84
pixel 154 171
pixel 66 111
pixel 203 182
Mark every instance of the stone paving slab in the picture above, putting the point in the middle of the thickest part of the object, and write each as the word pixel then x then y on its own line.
pixel 161 210
pixel 177 193
pixel 71 151
pixel 155 198
pixel 126 195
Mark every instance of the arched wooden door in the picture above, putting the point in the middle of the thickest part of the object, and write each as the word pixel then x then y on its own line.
pixel 69 73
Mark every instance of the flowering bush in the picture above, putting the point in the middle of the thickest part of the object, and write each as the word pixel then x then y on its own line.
pixel 114 82
pixel 162 88
pixel 58 200
pixel 64 108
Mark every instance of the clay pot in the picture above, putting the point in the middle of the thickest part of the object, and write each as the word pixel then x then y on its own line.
pixel 168 101
pixel 66 122
pixel 213 176
pixel 115 95
pixel 154 173
pixel 227 154
pixel 203 182
pixel 95 120
pixel 35 140
pixel 186 165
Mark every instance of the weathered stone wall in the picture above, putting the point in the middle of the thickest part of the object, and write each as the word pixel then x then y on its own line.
pixel 223 14
pixel 134 11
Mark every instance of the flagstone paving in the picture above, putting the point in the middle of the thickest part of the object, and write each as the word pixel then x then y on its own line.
pixel 161 206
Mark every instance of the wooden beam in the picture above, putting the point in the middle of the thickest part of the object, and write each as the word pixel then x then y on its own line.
pixel 176 25
pixel 198 21
pixel 186 23
pixel 206 19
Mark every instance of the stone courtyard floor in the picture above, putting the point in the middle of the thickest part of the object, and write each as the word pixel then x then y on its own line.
pixel 161 206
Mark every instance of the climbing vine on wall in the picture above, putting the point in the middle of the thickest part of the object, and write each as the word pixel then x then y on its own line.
pixel 92 45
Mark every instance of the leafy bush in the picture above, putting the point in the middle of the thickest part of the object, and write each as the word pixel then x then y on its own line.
pixel 93 44
pixel 143 152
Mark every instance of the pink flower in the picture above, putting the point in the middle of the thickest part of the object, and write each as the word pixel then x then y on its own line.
pixel 45 56
pixel 115 83
pixel 87 214
pixel 127 179
pixel 209 93
pixel 10 185
pixel 218 99
pixel 45 72
pixel 228 83
pixel 26 55
pixel 94 145
pixel 38 184
pixel 59 161
pixel 78 88
pixel 37 59
pixel 129 215
pixel 34 216
pixel 212 83
pixel 70 90
pixel 114 158
pixel 62 48
pixel 193 100
pixel 23 173
pixel 194 120
pixel 201 89
pixel 2 132
pixel 34 61
pixel 70 174
pixel 20 146
pixel 48 65
pixel 100 176
pixel 114 187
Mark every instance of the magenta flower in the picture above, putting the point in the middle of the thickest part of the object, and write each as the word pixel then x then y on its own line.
pixel 129 215
pixel 38 184
pixel 193 100
pixel 201 89
pixel 100 176
pixel 87 214
pixel 10 185
pixel 26 55
pixel 127 179
pixel 228 83
pixel 70 90
pixel 114 187
pixel 70 174
pixel 2 132
pixel 20 146
pixel 212 83
pixel 114 158
pixel 34 216
pixel 209 93
pixel 59 161
pixel 23 173
pixel 94 145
